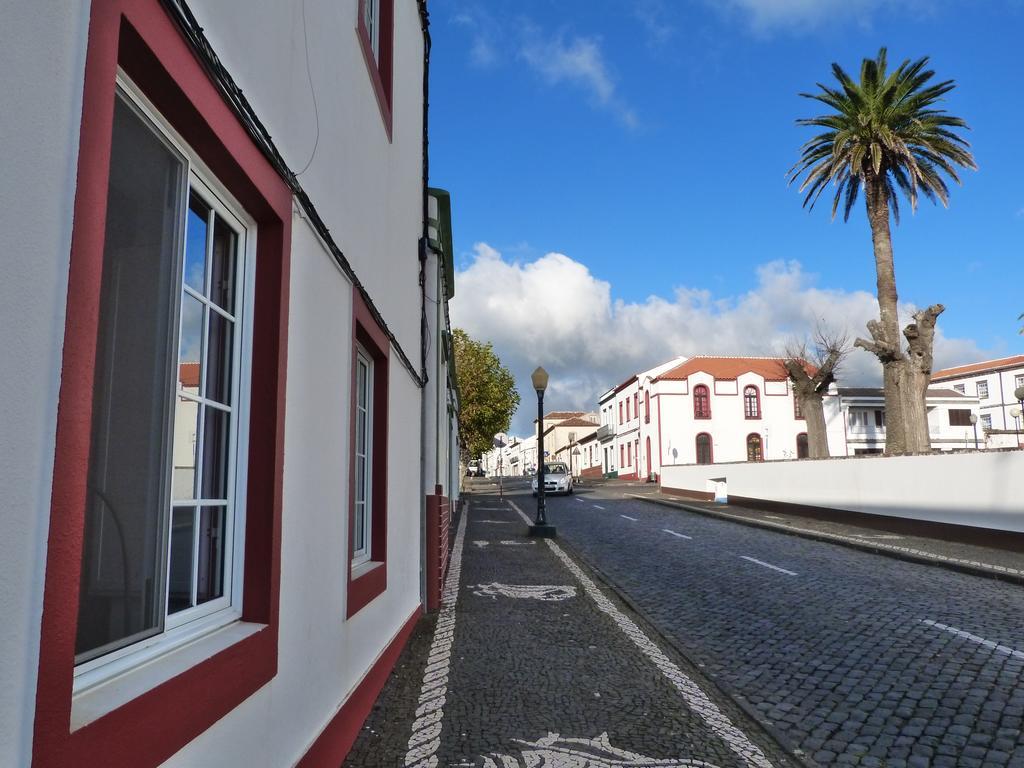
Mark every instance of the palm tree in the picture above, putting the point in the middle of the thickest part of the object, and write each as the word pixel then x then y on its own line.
pixel 886 134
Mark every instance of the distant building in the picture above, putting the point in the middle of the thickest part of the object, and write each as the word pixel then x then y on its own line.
pixel 993 382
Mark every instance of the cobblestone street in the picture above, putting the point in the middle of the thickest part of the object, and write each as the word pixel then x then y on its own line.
pixel 532 661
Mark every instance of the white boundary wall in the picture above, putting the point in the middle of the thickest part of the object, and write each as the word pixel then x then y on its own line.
pixel 976 489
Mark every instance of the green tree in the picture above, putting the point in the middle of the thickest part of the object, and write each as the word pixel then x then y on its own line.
pixel 487 394
pixel 886 133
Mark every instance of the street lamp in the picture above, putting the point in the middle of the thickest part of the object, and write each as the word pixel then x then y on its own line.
pixel 540 526
pixel 974 423
pixel 1015 412
pixel 1019 394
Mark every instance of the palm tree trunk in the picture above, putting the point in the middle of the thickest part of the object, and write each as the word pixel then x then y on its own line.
pixel 905 379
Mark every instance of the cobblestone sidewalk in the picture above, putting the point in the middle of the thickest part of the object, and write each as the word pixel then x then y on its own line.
pixel 531 662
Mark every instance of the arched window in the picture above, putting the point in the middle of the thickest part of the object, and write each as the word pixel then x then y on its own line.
pixel 754 451
pixel 803 449
pixel 701 402
pixel 647 407
pixel 751 402
pixel 705 454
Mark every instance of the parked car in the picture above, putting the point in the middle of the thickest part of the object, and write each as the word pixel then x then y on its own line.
pixel 475 470
pixel 557 479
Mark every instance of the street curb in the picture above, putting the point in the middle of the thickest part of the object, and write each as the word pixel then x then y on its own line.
pixel 738 700
pixel 972 568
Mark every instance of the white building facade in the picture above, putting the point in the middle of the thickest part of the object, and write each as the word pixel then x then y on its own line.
pixel 230 434
pixel 994 383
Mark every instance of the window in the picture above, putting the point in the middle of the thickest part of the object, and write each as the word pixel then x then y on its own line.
pixel 858 418
pixel 754 452
pixel 704 450
pixel 798 410
pixel 751 403
pixel 620 411
pixel 982 389
pixel 628 417
pixel 1018 380
pixel 959 417
pixel 879 419
pixel 986 421
pixel 803 449
pixel 959 388
pixel 367 571
pixel 622 455
pixel 629 454
pixel 163 516
pixel 374 28
pixel 636 405
pixel 701 402
pixel 647 407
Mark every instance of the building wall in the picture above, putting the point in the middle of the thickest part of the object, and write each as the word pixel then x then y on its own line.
pixel 980 489
pixel 368 189
pixel 1001 386
pixel 40 127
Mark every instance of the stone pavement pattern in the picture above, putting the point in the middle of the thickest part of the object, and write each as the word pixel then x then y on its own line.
pixel 530 663
pixel 858 659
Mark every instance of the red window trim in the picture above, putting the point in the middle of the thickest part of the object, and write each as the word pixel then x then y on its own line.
pixel 620 411
pixel 697 413
pixel 628 417
pixel 711 447
pixel 622 455
pixel 139 36
pixel 364 589
pixel 760 442
pixel 757 393
pixel 380 70
pixel 647 407
pixel 636 405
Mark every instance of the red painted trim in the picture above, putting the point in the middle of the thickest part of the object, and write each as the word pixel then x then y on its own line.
pixel 364 589
pixel 336 739
pixel 380 72
pixel 757 392
pixel 697 414
pixel 138 35
pixel 711 448
pixel 661 455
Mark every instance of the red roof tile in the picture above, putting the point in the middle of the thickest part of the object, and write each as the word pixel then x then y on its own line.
pixel 768 368
pixel 188 375
pixel 983 367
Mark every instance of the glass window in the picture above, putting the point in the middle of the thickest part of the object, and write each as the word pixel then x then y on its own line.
pixel 986 421
pixel 364 458
pixel 803 449
pixel 751 403
pixel 959 417
pixel 982 389
pixel 1018 380
pixel 371 20
pixel 159 517
pixel 701 402
pixel 959 388
pixel 754 452
pixel 704 450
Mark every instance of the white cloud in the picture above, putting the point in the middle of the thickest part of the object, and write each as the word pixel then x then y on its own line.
pixel 579 62
pixel 483 49
pixel 766 16
pixel 553 312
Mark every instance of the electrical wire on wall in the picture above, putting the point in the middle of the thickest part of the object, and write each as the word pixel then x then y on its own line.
pixel 312 92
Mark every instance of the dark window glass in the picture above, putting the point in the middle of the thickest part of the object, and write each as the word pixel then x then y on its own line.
pixel 751 403
pixel 802 447
pixel 704 448
pixel 124 562
pixel 754 448
pixel 959 417
pixel 701 402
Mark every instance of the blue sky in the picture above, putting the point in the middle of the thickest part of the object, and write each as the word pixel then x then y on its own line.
pixel 618 169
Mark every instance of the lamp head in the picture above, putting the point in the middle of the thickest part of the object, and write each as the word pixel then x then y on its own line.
pixel 974 418
pixel 1019 393
pixel 540 379
pixel 1015 411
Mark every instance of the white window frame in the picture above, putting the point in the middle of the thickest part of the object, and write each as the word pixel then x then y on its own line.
pixel 371 20
pixel 982 386
pixel 363 554
pixel 191 624
pixel 986 421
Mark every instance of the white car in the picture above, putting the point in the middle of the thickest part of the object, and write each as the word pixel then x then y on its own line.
pixel 557 479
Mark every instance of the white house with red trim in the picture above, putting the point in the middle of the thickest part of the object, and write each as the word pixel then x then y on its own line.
pixel 229 451
pixel 994 383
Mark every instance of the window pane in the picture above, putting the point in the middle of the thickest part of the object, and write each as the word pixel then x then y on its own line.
pixel 210 575
pixel 215 453
pixel 218 358
pixel 179 584
pixel 123 565
pixel 191 349
pixel 222 277
pixel 196 230
pixel 186 432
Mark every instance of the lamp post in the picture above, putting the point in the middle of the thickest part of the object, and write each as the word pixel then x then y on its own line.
pixel 1019 394
pixel 974 423
pixel 1015 412
pixel 540 526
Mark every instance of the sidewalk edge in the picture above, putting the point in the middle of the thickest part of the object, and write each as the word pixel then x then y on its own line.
pixel 993 572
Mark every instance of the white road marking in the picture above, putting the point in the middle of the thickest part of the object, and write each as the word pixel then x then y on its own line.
pixel 1004 649
pixel 628 517
pixel 867 536
pixel 680 535
pixel 696 699
pixel 426 729
pixel 495 522
pixel 598 506
pixel 773 517
pixel 769 565
pixel 581 501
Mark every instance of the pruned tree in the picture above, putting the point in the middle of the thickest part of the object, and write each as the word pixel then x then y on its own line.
pixel 812 372
pixel 487 394
pixel 886 133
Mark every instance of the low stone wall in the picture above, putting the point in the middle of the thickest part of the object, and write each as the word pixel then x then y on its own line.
pixel 983 489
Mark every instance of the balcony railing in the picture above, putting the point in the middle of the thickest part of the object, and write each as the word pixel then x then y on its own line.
pixel 605 431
